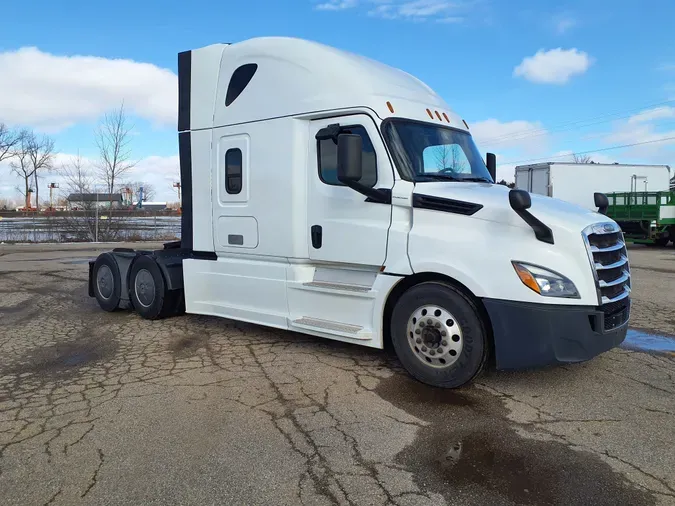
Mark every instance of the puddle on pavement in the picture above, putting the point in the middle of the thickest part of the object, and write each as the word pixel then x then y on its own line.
pixel 471 453
pixel 63 359
pixel 650 343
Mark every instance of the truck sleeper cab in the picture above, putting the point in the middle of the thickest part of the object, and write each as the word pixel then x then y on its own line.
pixel 332 195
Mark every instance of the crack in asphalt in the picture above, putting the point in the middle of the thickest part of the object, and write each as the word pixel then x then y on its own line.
pixel 353 427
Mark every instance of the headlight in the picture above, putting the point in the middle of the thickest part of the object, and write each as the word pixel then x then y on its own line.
pixel 545 282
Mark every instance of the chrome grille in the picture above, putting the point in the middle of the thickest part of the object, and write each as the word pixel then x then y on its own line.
pixel 609 258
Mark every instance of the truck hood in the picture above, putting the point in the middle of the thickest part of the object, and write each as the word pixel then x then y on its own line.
pixel 556 214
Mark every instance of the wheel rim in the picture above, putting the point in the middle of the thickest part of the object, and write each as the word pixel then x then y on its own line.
pixel 144 286
pixel 434 336
pixel 104 282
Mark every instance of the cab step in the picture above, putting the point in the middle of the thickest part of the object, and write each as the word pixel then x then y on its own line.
pixel 335 328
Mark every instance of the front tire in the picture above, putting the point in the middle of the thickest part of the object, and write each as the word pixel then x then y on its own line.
pixel 438 335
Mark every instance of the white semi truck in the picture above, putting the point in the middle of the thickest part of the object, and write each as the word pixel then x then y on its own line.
pixel 328 194
pixel 578 182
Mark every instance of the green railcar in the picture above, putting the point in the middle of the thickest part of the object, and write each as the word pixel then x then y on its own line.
pixel 644 217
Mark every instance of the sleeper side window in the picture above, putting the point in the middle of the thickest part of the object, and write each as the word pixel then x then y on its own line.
pixel 233 172
pixel 327 154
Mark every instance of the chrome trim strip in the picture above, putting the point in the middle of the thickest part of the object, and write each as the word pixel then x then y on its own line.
pixel 624 277
pixel 626 293
pixel 617 246
pixel 600 267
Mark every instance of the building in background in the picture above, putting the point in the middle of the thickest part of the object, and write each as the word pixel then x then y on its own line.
pixel 89 200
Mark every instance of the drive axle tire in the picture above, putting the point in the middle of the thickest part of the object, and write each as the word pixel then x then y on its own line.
pixel 438 335
pixel 147 290
pixel 106 282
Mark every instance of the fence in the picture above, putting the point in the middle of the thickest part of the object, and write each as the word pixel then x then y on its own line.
pixel 90 226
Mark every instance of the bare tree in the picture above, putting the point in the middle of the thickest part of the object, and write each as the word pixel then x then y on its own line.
pixel 9 141
pixel 112 140
pixel 581 158
pixel 21 165
pixel 78 179
pixel 449 157
pixel 41 155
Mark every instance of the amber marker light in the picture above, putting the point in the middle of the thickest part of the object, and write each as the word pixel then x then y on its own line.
pixel 391 107
pixel 527 278
pixel 429 113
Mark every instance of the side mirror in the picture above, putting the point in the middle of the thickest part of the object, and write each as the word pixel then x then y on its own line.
pixel 519 200
pixel 349 154
pixel 601 202
pixel 491 162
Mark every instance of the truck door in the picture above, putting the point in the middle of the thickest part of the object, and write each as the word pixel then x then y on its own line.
pixel 344 226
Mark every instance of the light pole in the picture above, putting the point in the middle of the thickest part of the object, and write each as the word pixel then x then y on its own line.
pixel 177 186
pixel 51 195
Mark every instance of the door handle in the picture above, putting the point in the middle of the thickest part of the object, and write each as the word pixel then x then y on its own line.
pixel 316 236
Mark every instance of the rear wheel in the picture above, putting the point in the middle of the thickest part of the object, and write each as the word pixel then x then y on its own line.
pixel 438 335
pixel 106 281
pixel 148 291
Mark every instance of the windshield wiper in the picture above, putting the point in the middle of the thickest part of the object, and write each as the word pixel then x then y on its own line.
pixel 447 177
pixel 438 177
pixel 476 179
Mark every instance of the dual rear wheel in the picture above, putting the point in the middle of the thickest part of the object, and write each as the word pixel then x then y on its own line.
pixel 147 289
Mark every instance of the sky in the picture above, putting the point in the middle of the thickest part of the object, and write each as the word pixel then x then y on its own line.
pixel 535 80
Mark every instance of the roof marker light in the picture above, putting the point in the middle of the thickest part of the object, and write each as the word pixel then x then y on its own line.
pixel 391 107
pixel 446 117
pixel 438 115
pixel 429 113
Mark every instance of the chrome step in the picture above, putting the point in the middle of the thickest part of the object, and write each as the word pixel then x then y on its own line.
pixel 344 329
pixel 337 286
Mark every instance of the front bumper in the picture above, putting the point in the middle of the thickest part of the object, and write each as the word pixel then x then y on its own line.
pixel 530 335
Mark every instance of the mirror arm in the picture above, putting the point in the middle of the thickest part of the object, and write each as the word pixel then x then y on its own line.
pixel 378 195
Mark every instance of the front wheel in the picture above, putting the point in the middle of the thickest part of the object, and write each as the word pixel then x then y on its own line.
pixel 438 335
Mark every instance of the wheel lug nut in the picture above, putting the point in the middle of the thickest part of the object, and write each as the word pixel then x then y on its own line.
pixel 421 324
pixel 418 341
pixel 424 348
pixel 432 352
pixel 429 321
pixel 438 325
pixel 444 333
pixel 440 351
pixel 418 331
pixel 444 343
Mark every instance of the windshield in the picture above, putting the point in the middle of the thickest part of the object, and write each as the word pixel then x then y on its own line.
pixel 426 152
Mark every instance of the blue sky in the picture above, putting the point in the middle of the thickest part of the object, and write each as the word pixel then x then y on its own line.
pixel 533 80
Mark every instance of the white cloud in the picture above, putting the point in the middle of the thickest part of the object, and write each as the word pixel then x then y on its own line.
pixel 656 143
pixel 337 5
pixel 555 66
pixel 654 114
pixel 52 92
pixel 564 23
pixel 442 11
pixel 527 136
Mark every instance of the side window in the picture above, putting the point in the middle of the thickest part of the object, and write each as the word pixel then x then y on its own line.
pixel 327 153
pixel 233 172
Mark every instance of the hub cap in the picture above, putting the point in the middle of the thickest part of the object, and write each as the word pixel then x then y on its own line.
pixel 144 285
pixel 434 336
pixel 104 282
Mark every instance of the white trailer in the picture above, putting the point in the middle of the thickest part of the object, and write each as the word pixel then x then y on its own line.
pixel 328 194
pixel 577 182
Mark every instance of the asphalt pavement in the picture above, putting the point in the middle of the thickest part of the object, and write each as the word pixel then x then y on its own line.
pixel 107 408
